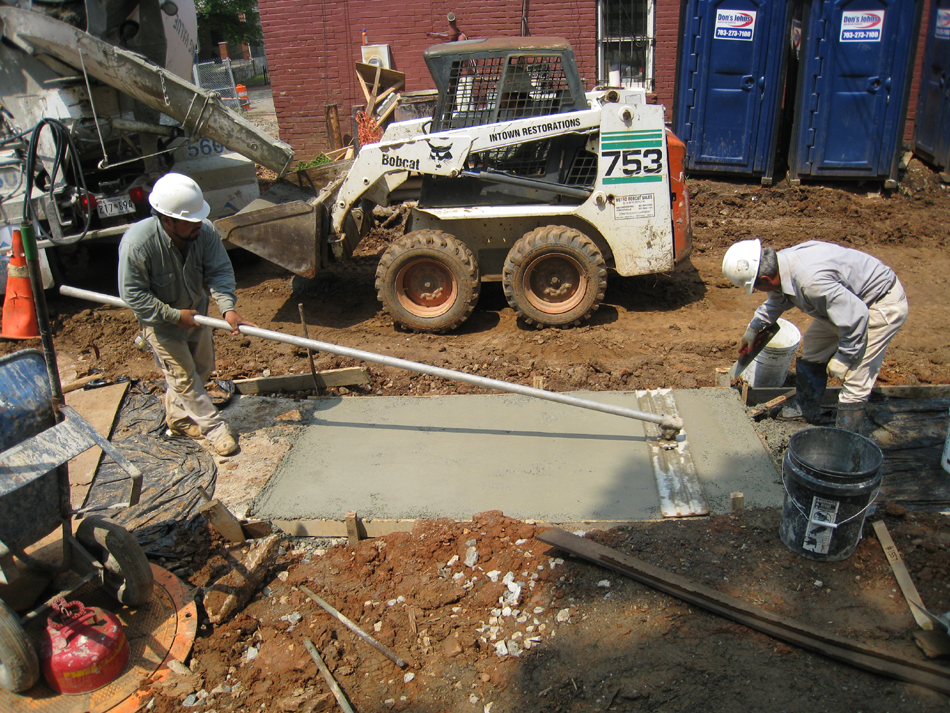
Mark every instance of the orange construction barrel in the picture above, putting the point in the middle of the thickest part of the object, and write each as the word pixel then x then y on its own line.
pixel 242 96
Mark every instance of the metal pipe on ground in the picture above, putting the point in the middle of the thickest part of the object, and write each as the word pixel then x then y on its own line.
pixel 670 426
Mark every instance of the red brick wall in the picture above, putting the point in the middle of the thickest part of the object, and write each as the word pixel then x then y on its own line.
pixel 312 46
pixel 918 68
pixel 665 53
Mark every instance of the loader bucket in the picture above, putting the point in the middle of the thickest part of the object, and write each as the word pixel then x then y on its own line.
pixel 288 224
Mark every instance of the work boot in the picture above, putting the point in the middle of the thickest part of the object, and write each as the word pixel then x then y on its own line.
pixel 225 445
pixel 810 382
pixel 186 429
pixel 853 417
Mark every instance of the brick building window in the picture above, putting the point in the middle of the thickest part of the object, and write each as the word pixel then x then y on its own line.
pixel 626 35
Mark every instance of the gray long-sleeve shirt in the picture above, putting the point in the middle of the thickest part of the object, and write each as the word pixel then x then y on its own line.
pixel 157 283
pixel 828 282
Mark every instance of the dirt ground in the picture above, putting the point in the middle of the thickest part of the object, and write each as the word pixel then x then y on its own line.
pixel 575 637
pixel 669 330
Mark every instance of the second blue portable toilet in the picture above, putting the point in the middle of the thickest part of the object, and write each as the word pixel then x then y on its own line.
pixel 857 59
pixel 729 84
pixel 932 127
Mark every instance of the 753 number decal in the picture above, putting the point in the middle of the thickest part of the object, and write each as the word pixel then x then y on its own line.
pixel 633 162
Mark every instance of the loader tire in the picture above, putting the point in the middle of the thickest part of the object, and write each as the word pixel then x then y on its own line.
pixel 428 281
pixel 554 276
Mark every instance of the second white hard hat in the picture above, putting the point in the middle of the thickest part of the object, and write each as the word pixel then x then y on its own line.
pixel 741 264
pixel 178 196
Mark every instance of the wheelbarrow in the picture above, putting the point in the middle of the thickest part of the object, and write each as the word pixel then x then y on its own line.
pixel 36 442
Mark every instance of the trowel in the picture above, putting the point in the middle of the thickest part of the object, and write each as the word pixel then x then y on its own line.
pixel 758 344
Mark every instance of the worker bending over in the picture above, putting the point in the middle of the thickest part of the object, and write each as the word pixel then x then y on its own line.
pixel 168 263
pixel 858 305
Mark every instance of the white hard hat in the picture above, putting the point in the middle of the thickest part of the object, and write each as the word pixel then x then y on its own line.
pixel 178 196
pixel 741 263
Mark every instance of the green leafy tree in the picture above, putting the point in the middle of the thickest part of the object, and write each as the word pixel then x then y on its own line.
pixel 223 18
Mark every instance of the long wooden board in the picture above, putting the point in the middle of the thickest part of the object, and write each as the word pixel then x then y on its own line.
pixel 808 637
pixel 902 575
pixel 99 407
pixel 921 391
pixel 349 376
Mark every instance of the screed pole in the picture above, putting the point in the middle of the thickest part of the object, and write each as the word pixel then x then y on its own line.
pixel 669 425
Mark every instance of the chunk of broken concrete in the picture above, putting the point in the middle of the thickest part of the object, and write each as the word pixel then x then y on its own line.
pixel 230 593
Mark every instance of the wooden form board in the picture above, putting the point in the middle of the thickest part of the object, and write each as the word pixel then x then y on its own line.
pixel 902 575
pixel 99 407
pixel 381 527
pixel 758 396
pixel 349 376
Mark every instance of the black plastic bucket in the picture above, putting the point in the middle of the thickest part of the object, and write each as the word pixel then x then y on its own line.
pixel 831 478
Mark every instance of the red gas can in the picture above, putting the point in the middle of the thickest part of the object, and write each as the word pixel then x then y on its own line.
pixel 82 649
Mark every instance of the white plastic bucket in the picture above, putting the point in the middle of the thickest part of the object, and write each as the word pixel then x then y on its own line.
pixel 945 458
pixel 771 366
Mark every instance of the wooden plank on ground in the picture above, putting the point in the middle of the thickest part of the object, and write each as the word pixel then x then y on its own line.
pixel 379 528
pixel 901 574
pixel 348 376
pixel 760 395
pixel 99 407
pixel 811 638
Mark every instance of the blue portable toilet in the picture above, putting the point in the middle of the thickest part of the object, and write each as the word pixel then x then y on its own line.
pixel 932 127
pixel 730 73
pixel 857 60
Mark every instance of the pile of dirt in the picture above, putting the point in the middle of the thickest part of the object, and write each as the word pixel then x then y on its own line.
pixel 490 619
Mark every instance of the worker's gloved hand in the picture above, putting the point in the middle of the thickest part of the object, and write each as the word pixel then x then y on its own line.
pixel 838 369
pixel 745 344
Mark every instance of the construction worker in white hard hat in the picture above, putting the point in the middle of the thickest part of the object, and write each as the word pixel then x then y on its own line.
pixel 169 263
pixel 857 303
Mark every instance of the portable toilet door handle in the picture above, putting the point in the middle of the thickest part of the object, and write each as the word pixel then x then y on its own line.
pixel 762 87
pixel 748 82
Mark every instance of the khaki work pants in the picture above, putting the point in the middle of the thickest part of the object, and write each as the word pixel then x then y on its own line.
pixel 886 317
pixel 187 364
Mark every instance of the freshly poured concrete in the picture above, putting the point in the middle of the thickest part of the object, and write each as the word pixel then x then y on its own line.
pixel 428 457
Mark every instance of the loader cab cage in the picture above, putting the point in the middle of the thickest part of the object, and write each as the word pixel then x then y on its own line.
pixel 496 80
pixel 488 81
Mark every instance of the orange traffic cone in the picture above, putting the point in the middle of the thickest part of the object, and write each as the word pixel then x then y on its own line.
pixel 19 311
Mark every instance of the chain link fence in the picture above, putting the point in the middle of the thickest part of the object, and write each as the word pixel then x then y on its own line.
pixel 219 78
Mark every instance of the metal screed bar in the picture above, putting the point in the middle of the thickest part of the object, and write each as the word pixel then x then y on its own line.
pixel 670 426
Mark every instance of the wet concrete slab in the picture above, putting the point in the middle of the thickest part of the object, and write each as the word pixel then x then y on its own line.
pixel 428 457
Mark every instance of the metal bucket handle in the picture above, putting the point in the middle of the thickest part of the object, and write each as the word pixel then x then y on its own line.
pixel 822 523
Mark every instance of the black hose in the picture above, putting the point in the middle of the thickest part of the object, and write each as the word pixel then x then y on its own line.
pixel 65 155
